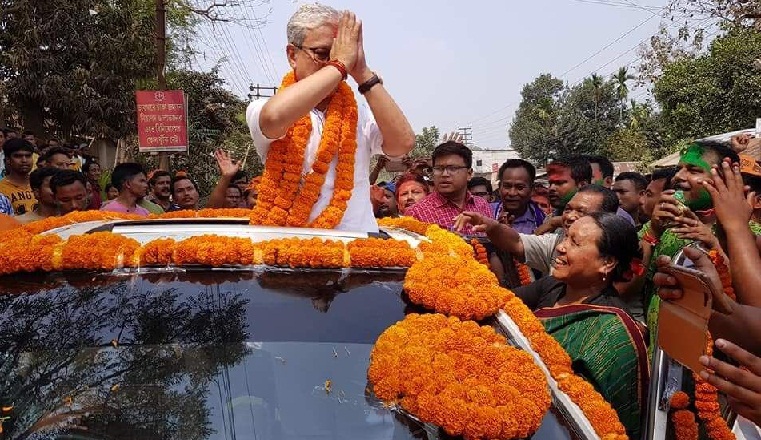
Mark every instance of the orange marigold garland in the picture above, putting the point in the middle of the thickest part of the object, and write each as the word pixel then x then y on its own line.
pixel 459 376
pixel 408 223
pixel 480 252
pixel 683 420
pixel 444 242
pixel 156 253
pixel 213 250
pixel 706 395
pixel 685 426
pixel 287 198
pixel 375 252
pixel 71 218
pixel 99 250
pixel 524 273
pixel 205 213
pixel 450 285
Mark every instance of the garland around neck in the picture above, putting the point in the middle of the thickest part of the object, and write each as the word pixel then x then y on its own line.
pixel 287 195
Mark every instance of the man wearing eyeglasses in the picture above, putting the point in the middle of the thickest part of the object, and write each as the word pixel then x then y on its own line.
pixel 452 168
pixel 324 48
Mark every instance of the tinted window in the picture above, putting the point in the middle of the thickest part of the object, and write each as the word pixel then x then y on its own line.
pixel 200 355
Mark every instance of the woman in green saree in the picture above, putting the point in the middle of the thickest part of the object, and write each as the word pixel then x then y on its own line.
pixel 580 308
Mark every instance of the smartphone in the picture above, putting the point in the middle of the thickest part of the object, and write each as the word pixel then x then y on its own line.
pixel 683 323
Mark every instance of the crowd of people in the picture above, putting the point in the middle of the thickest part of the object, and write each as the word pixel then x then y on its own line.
pixel 52 181
pixel 584 248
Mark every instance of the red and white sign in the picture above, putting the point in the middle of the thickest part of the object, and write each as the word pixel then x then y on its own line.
pixel 162 120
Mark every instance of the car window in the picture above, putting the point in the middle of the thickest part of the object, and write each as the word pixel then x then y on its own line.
pixel 202 354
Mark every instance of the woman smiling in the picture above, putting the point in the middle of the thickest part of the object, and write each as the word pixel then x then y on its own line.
pixel 580 308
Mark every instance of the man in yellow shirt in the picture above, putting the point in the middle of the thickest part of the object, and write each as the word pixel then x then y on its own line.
pixel 15 185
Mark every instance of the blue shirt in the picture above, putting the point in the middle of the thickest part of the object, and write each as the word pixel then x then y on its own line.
pixel 529 221
pixel 5 205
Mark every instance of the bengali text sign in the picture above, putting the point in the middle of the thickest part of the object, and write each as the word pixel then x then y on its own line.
pixel 162 122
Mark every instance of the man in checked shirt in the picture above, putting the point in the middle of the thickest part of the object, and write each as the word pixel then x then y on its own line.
pixel 452 168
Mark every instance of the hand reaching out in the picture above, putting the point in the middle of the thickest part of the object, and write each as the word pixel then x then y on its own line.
pixel 479 222
pixel 732 206
pixel 742 385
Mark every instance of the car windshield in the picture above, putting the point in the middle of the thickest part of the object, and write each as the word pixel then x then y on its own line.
pixel 201 354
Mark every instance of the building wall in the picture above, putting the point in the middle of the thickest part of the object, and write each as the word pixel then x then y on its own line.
pixel 486 163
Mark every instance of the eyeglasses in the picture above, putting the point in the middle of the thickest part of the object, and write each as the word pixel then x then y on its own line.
pixel 319 55
pixel 450 169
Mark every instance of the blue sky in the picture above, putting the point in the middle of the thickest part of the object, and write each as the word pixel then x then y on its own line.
pixel 453 63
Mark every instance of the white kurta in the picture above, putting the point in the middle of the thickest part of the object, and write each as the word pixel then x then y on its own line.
pixel 359 215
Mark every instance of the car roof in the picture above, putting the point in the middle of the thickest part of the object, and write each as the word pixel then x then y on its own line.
pixel 145 231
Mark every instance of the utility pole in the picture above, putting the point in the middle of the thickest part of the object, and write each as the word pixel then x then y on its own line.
pixel 161 64
pixel 467 135
pixel 256 92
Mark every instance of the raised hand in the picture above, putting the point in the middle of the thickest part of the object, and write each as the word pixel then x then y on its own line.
pixel 345 44
pixel 360 72
pixel 732 206
pixel 227 166
pixel 454 136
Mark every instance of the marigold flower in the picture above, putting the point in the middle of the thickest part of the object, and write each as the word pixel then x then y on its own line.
pixel 434 385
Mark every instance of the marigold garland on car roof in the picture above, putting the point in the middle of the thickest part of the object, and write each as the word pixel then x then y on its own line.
pixel 459 376
pixel 445 259
pixel 683 420
pixel 407 223
pixel 454 286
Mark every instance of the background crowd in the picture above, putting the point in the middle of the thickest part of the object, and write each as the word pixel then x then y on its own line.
pixel 582 247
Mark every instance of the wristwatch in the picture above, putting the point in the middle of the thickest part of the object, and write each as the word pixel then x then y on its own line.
pixel 369 84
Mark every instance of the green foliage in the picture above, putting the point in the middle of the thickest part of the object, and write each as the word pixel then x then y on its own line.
pixel 74 64
pixel 425 142
pixel 534 131
pixel 553 120
pixel 715 92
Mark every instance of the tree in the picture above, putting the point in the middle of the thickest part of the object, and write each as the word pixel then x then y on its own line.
pixel 622 89
pixel 589 114
pixel 71 67
pixel 426 142
pixel 75 64
pixel 534 132
pixel 716 92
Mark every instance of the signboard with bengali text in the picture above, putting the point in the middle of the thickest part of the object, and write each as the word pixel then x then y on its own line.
pixel 162 121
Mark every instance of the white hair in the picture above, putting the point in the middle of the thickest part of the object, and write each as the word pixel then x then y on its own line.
pixel 307 17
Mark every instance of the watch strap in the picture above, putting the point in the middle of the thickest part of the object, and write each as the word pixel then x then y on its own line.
pixel 369 84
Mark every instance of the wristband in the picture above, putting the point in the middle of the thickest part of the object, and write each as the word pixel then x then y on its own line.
pixel 369 84
pixel 649 237
pixel 340 66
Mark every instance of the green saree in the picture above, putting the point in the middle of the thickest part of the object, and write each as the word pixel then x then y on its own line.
pixel 608 349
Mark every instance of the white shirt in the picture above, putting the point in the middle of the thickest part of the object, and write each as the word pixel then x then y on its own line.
pixel 359 215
